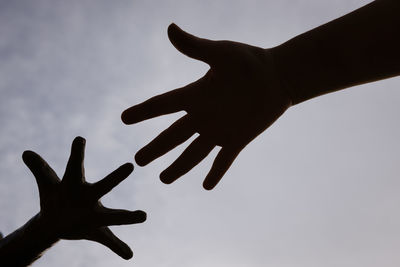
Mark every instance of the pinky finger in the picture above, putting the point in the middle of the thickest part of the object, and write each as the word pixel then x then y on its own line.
pixel 103 235
pixel 221 164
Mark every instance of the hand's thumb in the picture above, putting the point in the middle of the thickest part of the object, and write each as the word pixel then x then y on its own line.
pixel 190 45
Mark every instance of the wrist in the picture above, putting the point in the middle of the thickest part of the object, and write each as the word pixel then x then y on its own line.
pixel 24 245
pixel 283 84
pixel 45 228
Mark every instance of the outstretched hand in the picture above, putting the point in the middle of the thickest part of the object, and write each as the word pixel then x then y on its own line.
pixel 70 208
pixel 237 99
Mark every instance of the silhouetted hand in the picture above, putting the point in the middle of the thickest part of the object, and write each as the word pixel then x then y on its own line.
pixel 238 98
pixel 70 208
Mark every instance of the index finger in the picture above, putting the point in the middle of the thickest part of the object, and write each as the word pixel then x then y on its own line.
pixel 170 102
pixel 75 172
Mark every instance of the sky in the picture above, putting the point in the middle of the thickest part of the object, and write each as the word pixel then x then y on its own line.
pixel 318 188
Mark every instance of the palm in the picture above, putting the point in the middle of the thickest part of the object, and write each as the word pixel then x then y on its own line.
pixel 71 208
pixel 236 100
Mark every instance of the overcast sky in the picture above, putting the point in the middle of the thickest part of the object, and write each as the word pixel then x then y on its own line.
pixel 319 188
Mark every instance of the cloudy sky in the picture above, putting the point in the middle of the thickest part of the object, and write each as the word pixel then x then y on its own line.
pixel 319 188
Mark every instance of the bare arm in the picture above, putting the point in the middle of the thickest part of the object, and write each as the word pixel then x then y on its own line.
pixel 26 244
pixel 360 47
pixel 69 209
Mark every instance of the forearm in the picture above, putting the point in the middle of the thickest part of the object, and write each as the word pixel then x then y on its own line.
pixel 26 244
pixel 360 47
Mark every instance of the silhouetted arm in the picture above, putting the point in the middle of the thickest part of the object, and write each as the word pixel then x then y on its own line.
pixel 27 243
pixel 248 88
pixel 360 47
pixel 69 209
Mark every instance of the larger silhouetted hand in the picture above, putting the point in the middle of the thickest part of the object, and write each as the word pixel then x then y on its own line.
pixel 69 209
pixel 237 99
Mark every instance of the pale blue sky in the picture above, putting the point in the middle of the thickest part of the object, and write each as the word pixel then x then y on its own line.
pixel 324 178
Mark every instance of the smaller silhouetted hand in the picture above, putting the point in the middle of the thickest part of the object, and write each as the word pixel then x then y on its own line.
pixel 238 98
pixel 70 208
